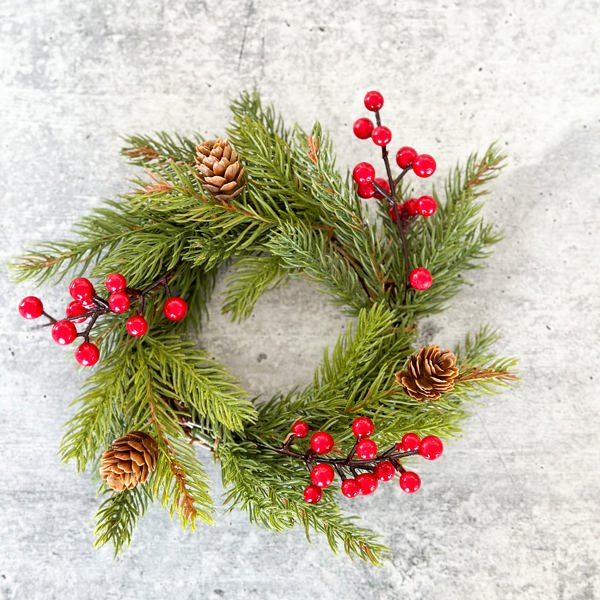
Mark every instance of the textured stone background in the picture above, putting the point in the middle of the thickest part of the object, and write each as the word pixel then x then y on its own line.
pixel 512 509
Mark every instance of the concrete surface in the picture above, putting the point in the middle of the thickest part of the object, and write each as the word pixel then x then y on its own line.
pixel 512 509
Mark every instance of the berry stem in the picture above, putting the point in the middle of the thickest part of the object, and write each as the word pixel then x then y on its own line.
pixel 392 198
pixel 350 463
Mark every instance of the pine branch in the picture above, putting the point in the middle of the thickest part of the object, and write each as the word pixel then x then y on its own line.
pixel 305 250
pixel 148 151
pixel 252 277
pixel 186 375
pixel 270 490
pixel 118 515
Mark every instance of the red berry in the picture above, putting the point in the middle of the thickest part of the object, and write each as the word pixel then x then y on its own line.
pixel 64 332
pixel 321 442
pixel 381 135
pixel 363 128
pixel 409 443
pixel 322 475
pixel 423 165
pixel 392 211
pixel 363 173
pixel 412 207
pixel 87 354
pixel 366 449
pixel 431 447
pixel 350 488
pixel 362 427
pixel 175 308
pixel 115 282
pixel 373 100
pixel 405 156
pixel 74 309
pixel 367 483
pixel 409 482
pixel 420 279
pixel 312 494
pixel 385 471
pixel 366 191
pixel 119 302
pixel 81 289
pixel 426 205
pixel 382 183
pixel 300 429
pixel 31 307
pixel 136 326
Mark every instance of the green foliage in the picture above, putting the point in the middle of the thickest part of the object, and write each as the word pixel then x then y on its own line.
pixel 118 515
pixel 298 216
pixel 270 490
pixel 252 277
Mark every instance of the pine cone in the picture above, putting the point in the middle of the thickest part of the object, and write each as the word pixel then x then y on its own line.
pixel 128 461
pixel 221 172
pixel 429 373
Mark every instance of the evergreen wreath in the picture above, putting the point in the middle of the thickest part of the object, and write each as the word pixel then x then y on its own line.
pixel 269 200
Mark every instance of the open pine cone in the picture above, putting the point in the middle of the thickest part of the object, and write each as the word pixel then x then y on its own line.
pixel 128 461
pixel 221 172
pixel 429 373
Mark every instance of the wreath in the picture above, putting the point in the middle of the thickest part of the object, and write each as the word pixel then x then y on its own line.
pixel 268 203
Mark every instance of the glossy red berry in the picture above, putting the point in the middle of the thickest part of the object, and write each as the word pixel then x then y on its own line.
pixel 367 483
pixel 431 447
pixel 321 442
pixel 412 207
pixel 409 482
pixel 381 135
pixel 300 429
pixel 426 206
pixel 119 302
pixel 115 282
pixel 423 165
pixel 87 354
pixel 405 156
pixel 363 173
pixel 394 214
pixel 373 100
pixel 409 443
pixel 362 427
pixel 136 326
pixel 81 289
pixel 366 449
pixel 363 128
pixel 385 471
pixel 312 494
pixel 31 307
pixel 382 183
pixel 366 191
pixel 322 475
pixel 350 488
pixel 175 308
pixel 420 279
pixel 64 332
pixel 74 309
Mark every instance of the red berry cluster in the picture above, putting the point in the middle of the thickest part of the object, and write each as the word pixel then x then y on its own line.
pixel 87 306
pixel 363 467
pixel 371 186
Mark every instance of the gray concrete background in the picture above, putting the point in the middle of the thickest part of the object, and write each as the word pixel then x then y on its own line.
pixel 512 509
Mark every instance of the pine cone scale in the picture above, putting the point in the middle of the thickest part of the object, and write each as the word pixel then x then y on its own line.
pixel 429 373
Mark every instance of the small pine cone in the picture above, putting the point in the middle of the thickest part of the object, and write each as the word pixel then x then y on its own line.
pixel 128 461
pixel 221 172
pixel 429 373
